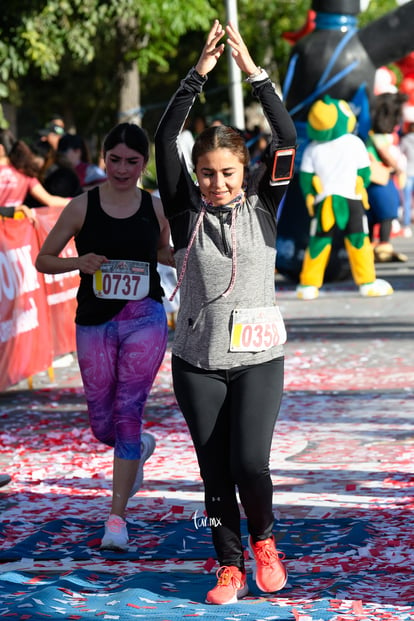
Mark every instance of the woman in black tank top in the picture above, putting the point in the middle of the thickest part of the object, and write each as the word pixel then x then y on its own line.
pixel 120 233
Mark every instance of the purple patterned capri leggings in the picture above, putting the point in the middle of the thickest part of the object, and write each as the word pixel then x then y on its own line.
pixel 119 361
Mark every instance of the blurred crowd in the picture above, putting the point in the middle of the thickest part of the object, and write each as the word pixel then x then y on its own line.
pixel 47 171
pixel 57 165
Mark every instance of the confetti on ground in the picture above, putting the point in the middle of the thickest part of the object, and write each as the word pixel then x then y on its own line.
pixel 342 468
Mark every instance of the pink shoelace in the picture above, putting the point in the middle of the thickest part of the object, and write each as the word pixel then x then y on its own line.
pixel 115 523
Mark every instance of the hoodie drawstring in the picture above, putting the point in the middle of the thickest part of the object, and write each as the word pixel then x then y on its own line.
pixel 233 254
pixel 187 252
pixel 233 206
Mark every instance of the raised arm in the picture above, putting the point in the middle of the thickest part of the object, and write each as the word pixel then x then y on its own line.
pixel 211 51
pixel 240 52
pixel 174 181
pixel 283 128
pixel 283 137
pixel 173 178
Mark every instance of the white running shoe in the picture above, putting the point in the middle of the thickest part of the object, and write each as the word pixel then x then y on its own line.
pixel 376 289
pixel 116 534
pixel 307 292
pixel 147 449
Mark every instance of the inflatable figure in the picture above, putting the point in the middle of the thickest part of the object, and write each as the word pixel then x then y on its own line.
pixel 339 60
pixel 309 26
pixel 335 170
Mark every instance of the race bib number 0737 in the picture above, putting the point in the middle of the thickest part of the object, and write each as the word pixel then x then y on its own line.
pixel 122 280
pixel 257 329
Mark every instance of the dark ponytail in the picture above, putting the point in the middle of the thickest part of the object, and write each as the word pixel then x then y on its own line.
pixel 129 134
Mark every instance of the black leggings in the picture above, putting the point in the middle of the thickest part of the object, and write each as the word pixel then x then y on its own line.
pixel 231 417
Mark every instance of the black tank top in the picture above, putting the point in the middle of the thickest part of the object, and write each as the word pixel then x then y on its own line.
pixel 134 238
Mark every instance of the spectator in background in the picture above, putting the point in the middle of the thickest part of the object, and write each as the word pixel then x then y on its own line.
pixel 185 144
pixel 57 173
pixel 19 172
pixel 199 125
pixel 75 150
pixel 53 131
pixel 12 212
pixel 383 194
pixel 216 122
pixel 56 119
pixel 45 147
pixel 256 142
pixel 407 148
pixel 62 178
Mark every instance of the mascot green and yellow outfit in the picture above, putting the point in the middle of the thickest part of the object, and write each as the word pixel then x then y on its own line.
pixel 334 173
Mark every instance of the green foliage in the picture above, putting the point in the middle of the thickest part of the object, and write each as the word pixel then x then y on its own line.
pixel 70 55
pixel 376 9
pixel 3 122
pixel 41 35
pixel 38 34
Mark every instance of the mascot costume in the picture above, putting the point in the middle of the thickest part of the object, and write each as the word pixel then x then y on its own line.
pixel 335 170
pixel 333 58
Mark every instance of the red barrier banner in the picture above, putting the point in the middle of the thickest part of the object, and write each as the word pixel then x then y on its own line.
pixel 61 289
pixel 36 310
pixel 25 337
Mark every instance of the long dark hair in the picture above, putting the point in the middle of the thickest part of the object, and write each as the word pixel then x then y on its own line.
pixel 19 154
pixel 221 137
pixel 130 134
pixel 388 112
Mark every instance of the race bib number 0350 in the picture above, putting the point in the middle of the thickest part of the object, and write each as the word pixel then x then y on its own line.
pixel 122 280
pixel 257 329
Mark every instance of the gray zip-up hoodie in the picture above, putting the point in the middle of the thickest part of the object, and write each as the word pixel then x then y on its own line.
pixel 229 251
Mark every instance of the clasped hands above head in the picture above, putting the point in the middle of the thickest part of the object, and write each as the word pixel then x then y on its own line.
pixel 213 49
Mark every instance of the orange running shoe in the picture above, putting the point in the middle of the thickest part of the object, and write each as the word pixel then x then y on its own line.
pixel 231 586
pixel 270 573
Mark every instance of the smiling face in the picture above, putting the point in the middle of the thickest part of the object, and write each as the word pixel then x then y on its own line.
pixel 220 175
pixel 124 166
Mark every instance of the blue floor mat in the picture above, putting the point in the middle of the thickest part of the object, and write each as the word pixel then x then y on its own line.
pixel 80 539
pixel 171 596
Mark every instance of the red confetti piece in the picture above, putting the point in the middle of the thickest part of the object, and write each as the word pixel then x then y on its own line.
pixel 209 564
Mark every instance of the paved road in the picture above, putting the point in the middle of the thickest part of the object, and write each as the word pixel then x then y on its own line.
pixel 346 323
pixel 343 446
pixel 340 321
